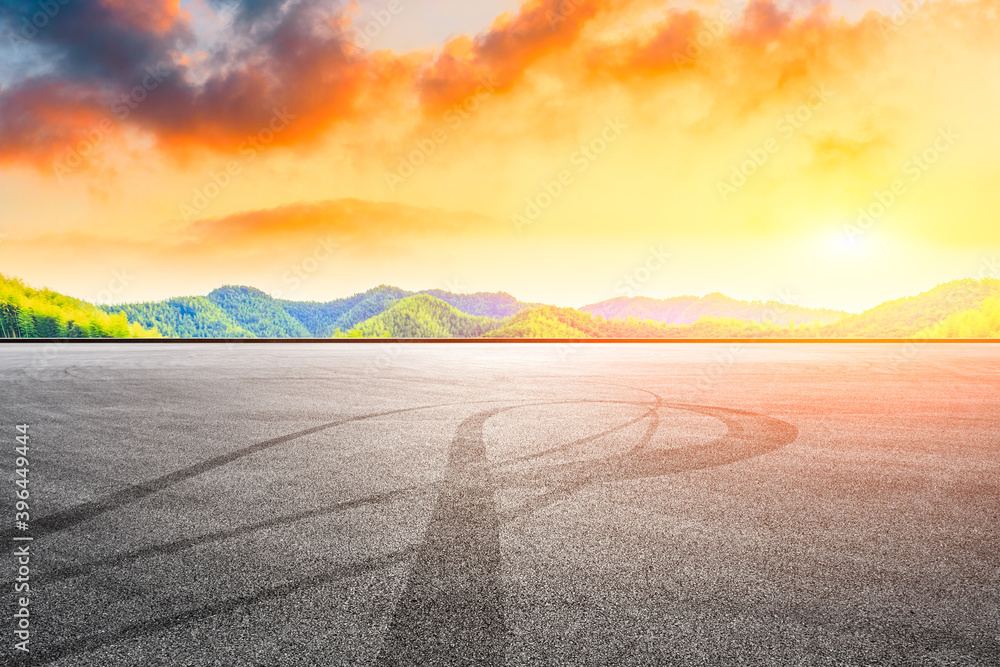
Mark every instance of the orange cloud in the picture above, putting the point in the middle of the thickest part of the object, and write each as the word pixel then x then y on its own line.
pixel 259 243
pixel 158 16
pixel 40 120
pixel 763 21
pixel 499 56
pixel 673 45
pixel 369 226
pixel 304 64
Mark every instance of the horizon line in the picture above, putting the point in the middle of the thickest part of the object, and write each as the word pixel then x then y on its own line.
pixel 530 303
pixel 546 341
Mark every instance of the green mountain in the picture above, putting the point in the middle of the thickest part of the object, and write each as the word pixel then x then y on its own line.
pixel 322 319
pixel 184 317
pixel 246 312
pixel 982 322
pixel 549 322
pixel 423 316
pixel 907 317
pixel 690 309
pixel 962 308
pixel 497 305
pixel 257 312
pixel 552 322
pixel 26 312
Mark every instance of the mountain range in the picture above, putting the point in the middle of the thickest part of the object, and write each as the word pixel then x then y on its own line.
pixel 962 308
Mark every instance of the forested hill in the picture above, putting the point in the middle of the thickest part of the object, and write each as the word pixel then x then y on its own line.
pixel 690 309
pixel 184 317
pixel 907 317
pixel 257 312
pixel 26 312
pixel 245 312
pixel 553 322
pixel 228 312
pixel 423 316
pixel 959 309
pixel 484 304
pixel 981 322
pixel 323 319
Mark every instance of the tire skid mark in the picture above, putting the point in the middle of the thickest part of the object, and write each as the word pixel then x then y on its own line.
pixel 72 516
pixel 183 544
pixel 160 624
pixel 68 518
pixel 748 435
pixel 453 603
pixel 738 444
pixel 177 546
pixel 582 441
pixel 452 610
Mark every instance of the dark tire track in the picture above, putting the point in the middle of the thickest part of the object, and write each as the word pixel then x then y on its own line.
pixel 452 610
pixel 177 546
pixel 68 518
pixel 749 435
pixel 73 516
pixel 162 623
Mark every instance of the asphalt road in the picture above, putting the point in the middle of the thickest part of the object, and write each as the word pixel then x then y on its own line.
pixel 688 504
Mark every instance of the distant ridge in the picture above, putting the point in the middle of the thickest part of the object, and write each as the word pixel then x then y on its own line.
pixel 910 315
pixel 690 309
pixel 424 316
pixel 961 308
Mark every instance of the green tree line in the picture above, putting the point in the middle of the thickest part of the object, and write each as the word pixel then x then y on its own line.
pixel 964 308
pixel 422 316
pixel 26 312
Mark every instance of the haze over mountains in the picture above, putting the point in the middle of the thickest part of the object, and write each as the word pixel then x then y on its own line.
pixel 690 309
pixel 387 311
pixel 962 308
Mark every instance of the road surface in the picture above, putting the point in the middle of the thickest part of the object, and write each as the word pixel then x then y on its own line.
pixel 497 504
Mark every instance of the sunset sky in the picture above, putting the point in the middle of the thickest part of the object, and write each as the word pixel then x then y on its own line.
pixel 565 151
